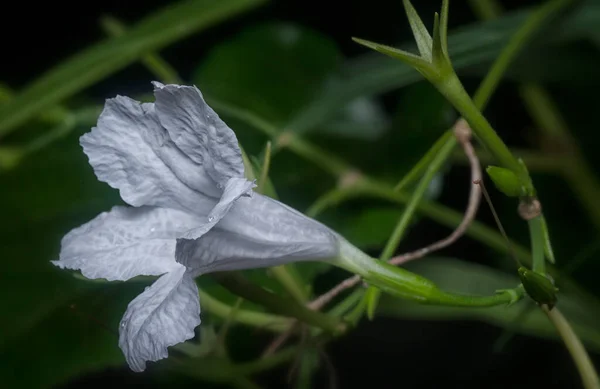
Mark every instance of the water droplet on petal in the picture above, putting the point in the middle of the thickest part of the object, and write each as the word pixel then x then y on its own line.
pixel 152 229
pixel 123 324
pixel 211 218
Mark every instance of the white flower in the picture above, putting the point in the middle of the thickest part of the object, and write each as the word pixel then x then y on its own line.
pixel 180 168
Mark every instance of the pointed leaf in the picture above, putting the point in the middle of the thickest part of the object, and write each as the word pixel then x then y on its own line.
pixel 424 41
pixel 443 31
pixel 437 48
pixel 404 56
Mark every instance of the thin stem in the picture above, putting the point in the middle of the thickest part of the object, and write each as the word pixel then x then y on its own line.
pixel 485 9
pixel 264 171
pixel 537 244
pixel 488 9
pixel 296 290
pixel 463 135
pixel 251 318
pixel 584 365
pixel 158 66
pixel 415 199
pixel 454 91
pixel 237 284
pixel 417 171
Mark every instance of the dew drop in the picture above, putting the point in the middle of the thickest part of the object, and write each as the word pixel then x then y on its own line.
pixel 123 324
pixel 152 229
pixel 211 218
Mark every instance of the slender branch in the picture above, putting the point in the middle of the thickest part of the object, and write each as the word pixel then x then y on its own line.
pixel 584 365
pixel 462 133
pixel 239 285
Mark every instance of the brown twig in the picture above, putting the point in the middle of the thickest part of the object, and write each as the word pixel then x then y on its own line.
pixel 462 132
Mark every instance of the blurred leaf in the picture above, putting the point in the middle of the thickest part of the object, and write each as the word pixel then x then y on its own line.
pixel 275 70
pixel 272 70
pixel 97 62
pixel 370 227
pixel 463 277
pixel 42 340
pixel 549 65
pixel 362 118
pixel 373 74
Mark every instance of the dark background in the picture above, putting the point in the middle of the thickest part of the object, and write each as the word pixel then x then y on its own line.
pixel 384 353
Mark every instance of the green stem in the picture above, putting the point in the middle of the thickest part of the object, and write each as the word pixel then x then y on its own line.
pixel 404 284
pixel 417 171
pixel 454 91
pixel 580 356
pixel 536 234
pixel 485 9
pixel 161 68
pixel 255 319
pixel 239 285
pixel 416 198
pixel 264 171
pixel 291 285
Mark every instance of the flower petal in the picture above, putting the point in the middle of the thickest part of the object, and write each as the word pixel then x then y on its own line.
pixel 257 232
pixel 234 189
pixel 198 131
pixel 125 242
pixel 131 151
pixel 165 314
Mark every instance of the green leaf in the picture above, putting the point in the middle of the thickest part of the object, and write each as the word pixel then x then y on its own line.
pixel 422 37
pixel 272 70
pixel 463 277
pixel 404 56
pixel 99 61
pixel 372 74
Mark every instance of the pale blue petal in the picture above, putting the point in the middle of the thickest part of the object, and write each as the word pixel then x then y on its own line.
pixel 132 152
pixel 198 131
pixel 165 314
pixel 125 242
pixel 234 189
pixel 258 232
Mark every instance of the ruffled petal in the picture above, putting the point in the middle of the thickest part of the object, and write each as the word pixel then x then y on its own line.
pixel 257 232
pixel 132 152
pixel 126 242
pixel 165 314
pixel 234 189
pixel 198 131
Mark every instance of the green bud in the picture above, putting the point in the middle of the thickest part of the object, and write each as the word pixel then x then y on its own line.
pixel 506 181
pixel 539 287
